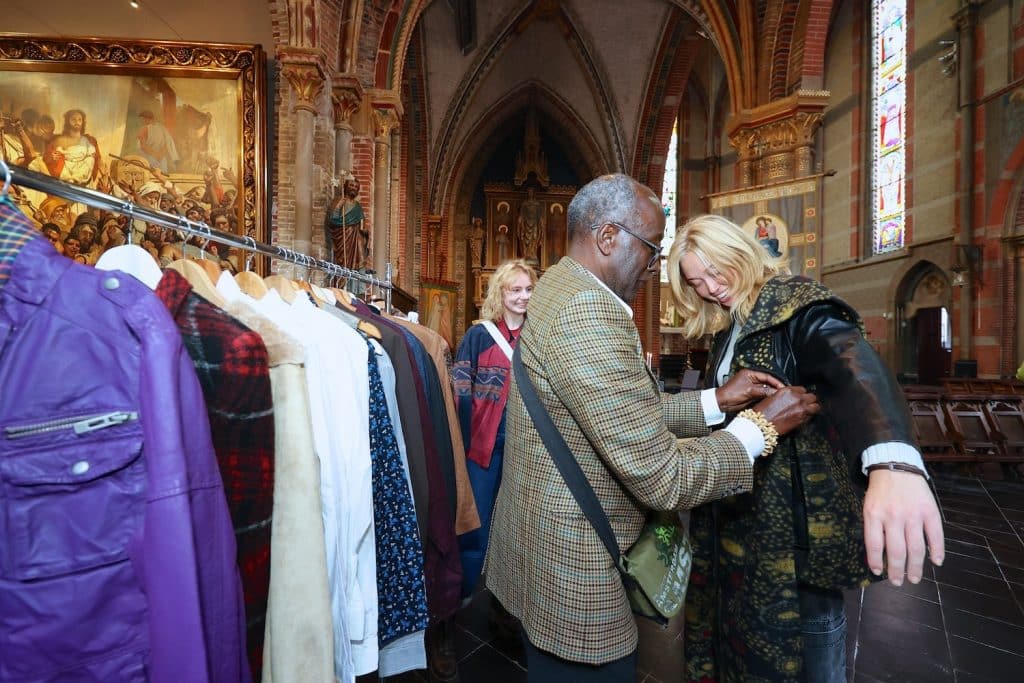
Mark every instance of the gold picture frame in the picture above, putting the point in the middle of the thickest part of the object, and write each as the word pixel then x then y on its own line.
pixel 437 304
pixel 206 101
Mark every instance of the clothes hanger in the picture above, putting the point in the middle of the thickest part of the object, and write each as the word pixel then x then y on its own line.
pixel 200 281
pixel 283 286
pixel 131 258
pixel 304 285
pixel 279 283
pixel 252 284
pixel 195 274
pixel 248 281
pixel 134 260
pixel 343 296
pixel 212 269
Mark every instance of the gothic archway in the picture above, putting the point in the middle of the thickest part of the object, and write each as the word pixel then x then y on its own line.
pixel 557 121
pixel 923 324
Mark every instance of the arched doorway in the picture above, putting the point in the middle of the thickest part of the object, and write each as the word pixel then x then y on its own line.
pixel 924 327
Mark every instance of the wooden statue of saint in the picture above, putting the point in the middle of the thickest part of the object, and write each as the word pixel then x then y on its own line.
pixel 531 224
pixel 346 227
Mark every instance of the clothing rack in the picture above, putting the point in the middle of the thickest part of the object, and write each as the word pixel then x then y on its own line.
pixel 95 198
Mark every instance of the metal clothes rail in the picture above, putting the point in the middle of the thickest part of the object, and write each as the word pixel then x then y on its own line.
pixel 95 198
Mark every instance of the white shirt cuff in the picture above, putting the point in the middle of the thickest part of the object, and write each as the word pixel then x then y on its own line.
pixel 750 436
pixel 891 451
pixel 713 415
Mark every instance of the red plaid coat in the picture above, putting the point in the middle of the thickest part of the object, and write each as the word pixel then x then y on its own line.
pixel 233 369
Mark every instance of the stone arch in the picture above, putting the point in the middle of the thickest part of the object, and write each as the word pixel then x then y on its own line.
pixel 454 118
pixel 670 74
pixel 585 155
pixel 583 146
pixel 922 287
pixel 714 18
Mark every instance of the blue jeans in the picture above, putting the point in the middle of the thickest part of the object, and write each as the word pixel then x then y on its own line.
pixel 823 626
pixel 473 545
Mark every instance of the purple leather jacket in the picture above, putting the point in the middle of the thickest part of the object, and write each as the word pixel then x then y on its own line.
pixel 117 558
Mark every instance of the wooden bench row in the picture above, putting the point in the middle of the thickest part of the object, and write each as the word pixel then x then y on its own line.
pixel 965 385
pixel 967 427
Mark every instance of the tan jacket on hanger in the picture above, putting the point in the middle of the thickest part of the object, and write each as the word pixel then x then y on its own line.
pixel 298 644
pixel 466 517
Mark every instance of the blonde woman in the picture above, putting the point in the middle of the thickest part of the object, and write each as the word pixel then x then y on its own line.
pixel 481 375
pixel 765 599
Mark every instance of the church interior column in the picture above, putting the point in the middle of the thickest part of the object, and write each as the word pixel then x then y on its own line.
pixel 346 94
pixel 384 120
pixel 306 76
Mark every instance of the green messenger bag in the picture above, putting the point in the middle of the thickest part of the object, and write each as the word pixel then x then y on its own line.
pixel 656 569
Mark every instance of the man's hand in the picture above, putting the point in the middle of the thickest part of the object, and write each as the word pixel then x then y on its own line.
pixel 745 387
pixel 788 408
pixel 901 522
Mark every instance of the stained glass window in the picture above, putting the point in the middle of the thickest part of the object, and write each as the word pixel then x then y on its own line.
pixel 888 145
pixel 669 190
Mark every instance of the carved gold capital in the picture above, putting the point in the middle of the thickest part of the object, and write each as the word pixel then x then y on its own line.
pixel 346 97
pixel 775 142
pixel 385 119
pixel 345 103
pixel 308 82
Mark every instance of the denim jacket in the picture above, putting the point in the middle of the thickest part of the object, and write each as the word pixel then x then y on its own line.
pixel 117 557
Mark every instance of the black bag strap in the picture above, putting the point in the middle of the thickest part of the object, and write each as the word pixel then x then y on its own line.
pixel 567 465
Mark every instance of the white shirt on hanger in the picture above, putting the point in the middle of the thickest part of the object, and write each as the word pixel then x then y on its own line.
pixel 338 381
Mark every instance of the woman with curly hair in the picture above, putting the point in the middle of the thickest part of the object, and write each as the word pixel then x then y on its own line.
pixel 481 375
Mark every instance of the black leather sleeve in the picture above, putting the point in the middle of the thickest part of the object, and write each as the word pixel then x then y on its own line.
pixel 858 392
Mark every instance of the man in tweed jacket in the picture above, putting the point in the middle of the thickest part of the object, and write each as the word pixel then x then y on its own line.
pixel 581 349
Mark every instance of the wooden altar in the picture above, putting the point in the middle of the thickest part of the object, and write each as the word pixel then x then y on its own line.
pixel 504 233
pixel 523 219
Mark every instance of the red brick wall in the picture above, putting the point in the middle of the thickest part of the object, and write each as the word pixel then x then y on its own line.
pixel 815 35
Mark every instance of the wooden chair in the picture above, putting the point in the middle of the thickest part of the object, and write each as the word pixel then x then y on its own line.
pixel 938 442
pixel 980 440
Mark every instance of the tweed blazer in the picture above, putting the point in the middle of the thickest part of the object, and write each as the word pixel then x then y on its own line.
pixel 546 563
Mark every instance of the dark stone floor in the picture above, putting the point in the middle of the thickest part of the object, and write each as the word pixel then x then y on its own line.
pixel 964 622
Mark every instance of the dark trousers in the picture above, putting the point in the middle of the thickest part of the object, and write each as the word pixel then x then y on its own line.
pixel 823 626
pixel 544 667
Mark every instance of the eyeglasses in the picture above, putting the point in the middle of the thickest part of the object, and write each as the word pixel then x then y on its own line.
pixel 655 248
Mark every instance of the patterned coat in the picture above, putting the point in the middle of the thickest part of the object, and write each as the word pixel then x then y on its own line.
pixel 546 563
pixel 802 524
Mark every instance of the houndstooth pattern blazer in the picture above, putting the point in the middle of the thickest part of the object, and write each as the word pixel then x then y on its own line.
pixel 546 563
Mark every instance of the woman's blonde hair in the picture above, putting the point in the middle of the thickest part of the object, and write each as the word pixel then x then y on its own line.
pixel 731 250
pixel 492 308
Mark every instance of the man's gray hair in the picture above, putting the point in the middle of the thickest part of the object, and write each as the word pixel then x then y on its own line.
pixel 609 198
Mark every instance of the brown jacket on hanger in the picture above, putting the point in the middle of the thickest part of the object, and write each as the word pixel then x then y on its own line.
pixel 466 517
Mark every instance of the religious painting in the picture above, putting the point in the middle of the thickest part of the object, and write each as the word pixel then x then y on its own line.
pixel 172 126
pixel 555 234
pixel 770 231
pixel 782 217
pixel 437 308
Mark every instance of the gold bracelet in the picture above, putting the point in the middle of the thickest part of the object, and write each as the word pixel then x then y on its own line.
pixel 771 436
